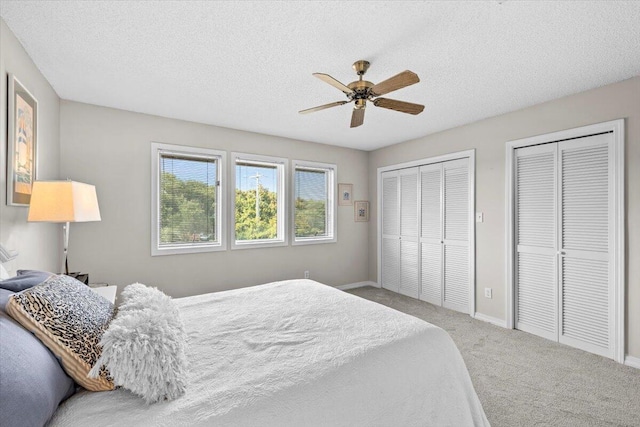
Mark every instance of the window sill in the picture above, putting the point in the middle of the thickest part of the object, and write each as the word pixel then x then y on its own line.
pixel 314 241
pixel 187 249
pixel 253 244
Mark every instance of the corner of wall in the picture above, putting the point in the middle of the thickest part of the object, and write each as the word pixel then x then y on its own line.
pixel 37 244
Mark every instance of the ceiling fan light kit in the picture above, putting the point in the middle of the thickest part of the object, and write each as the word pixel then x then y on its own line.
pixel 361 91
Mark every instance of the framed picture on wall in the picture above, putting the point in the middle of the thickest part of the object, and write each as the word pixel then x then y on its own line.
pixel 361 210
pixel 345 193
pixel 22 123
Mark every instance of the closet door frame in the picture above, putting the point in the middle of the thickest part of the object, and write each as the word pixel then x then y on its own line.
pixel 469 154
pixel 618 218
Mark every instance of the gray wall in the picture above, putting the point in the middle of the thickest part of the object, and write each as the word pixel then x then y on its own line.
pixel 111 149
pixel 488 137
pixel 38 243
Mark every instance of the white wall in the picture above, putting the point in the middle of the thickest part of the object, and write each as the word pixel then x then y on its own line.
pixel 111 149
pixel 488 137
pixel 37 243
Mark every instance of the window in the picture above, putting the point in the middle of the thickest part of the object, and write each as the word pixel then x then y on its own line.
pixel 313 203
pixel 187 199
pixel 259 202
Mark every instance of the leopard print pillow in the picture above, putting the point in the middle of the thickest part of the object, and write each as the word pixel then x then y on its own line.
pixel 69 318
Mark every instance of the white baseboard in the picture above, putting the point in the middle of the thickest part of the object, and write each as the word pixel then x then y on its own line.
pixel 634 362
pixel 357 285
pixel 489 319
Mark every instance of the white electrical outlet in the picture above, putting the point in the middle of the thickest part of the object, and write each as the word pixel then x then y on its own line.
pixel 479 217
pixel 306 274
pixel 487 292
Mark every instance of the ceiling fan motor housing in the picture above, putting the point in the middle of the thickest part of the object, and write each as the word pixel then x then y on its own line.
pixel 360 92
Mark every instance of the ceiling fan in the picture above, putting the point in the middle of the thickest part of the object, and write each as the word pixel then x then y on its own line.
pixel 361 91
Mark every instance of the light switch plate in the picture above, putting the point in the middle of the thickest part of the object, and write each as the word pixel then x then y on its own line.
pixel 487 292
pixel 479 217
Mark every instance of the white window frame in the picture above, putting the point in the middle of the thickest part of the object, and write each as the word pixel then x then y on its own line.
pixel 332 205
pixel 282 238
pixel 157 150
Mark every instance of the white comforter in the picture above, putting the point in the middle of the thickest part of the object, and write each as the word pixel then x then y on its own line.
pixel 298 353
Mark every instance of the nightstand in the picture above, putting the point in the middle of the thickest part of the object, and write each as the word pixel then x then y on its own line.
pixel 105 290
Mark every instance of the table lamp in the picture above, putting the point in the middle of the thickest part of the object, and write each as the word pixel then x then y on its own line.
pixel 64 202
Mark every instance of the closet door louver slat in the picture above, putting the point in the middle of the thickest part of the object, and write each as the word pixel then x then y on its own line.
pixel 431 233
pixel 390 232
pixel 536 270
pixel 409 270
pixel 585 309
pixel 431 180
pixel 584 221
pixel 456 278
pixel 431 280
pixel 585 199
pixel 390 264
pixel 409 204
pixel 409 246
pixel 535 199
pixel 536 302
pixel 456 234
pixel 456 203
pixel 390 220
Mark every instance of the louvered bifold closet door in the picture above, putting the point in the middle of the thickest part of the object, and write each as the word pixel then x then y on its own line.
pixel 409 245
pixel 536 285
pixel 431 233
pixel 585 277
pixel 456 235
pixel 390 231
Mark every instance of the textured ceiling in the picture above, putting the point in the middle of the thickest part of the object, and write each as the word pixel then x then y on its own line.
pixel 248 65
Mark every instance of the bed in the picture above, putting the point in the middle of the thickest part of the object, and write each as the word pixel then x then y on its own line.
pixel 299 353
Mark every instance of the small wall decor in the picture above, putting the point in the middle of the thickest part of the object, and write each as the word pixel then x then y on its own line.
pixel 345 194
pixel 22 141
pixel 361 210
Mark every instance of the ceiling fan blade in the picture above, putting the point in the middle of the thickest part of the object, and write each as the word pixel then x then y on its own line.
pixel 322 107
pixel 357 118
pixel 404 79
pixel 403 107
pixel 333 82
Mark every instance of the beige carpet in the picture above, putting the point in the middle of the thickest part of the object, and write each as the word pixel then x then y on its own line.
pixel 524 380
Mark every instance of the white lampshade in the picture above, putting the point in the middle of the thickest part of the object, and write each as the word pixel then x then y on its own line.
pixel 63 201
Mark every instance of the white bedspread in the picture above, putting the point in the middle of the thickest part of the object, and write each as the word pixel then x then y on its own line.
pixel 298 353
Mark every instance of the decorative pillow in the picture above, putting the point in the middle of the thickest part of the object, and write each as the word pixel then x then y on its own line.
pixel 32 382
pixel 24 280
pixel 69 318
pixel 144 346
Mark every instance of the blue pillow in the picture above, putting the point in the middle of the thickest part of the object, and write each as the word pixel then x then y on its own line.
pixel 4 297
pixel 32 382
pixel 24 280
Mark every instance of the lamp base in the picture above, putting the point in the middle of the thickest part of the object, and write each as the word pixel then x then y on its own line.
pixel 82 277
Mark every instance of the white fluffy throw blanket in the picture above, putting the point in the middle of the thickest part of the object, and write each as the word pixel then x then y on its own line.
pixel 144 346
